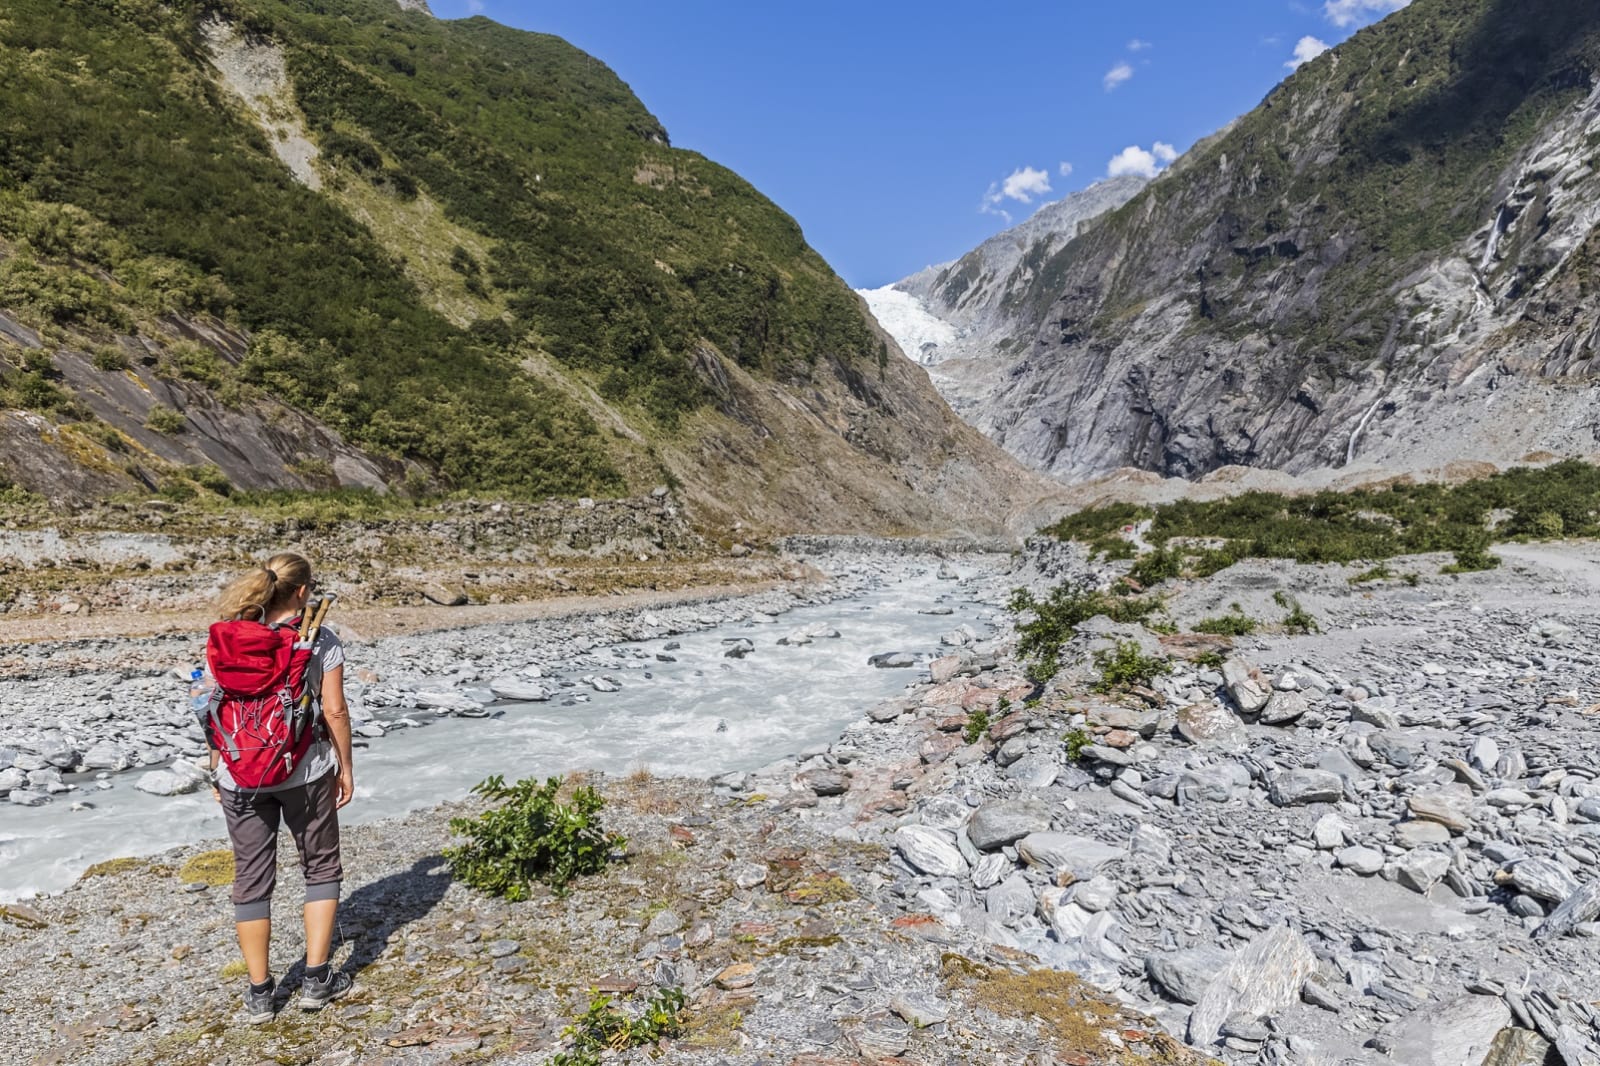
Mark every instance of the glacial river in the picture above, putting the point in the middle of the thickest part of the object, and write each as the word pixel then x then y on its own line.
pixel 701 715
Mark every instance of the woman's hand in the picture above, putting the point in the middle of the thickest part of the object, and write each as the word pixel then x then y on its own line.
pixel 346 785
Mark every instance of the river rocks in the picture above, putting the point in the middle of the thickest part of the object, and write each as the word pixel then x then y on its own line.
pixel 1331 832
pixel 738 648
pixel 12 778
pixel 27 797
pixel 929 851
pixel 1420 834
pixel 518 689
pixel 447 701
pixel 178 779
pixel 1077 855
pixel 892 660
pixel 996 824
pixel 1360 859
pixel 824 782
pixel 1185 975
pixel 1297 788
pixel 1264 977
pixel 1457 1031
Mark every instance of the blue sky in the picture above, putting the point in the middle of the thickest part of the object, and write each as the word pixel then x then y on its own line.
pixel 903 134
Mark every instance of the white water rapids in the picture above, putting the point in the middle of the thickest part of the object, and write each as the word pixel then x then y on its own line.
pixel 701 715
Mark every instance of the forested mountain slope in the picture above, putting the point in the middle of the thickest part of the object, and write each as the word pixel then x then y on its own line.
pixel 339 242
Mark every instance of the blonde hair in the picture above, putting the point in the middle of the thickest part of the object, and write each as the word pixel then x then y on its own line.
pixel 266 589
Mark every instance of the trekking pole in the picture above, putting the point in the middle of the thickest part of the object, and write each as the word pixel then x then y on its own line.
pixel 320 613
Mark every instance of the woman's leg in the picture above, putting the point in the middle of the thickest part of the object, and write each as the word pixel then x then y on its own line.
pixel 253 828
pixel 310 812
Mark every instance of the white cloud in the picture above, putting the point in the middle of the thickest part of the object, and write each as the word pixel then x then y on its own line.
pixel 1345 13
pixel 1116 76
pixel 1306 50
pixel 1065 169
pixel 475 6
pixel 1137 45
pixel 1022 185
pixel 1136 160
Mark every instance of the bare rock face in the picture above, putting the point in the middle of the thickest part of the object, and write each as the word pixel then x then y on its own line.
pixel 1230 315
pixel 1443 1034
pixel 414 5
pixel 1264 977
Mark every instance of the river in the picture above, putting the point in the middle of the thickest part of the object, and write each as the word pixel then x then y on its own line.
pixel 700 715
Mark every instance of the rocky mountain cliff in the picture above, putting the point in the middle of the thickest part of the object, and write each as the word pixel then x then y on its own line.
pixel 1392 260
pixel 263 244
pixel 959 318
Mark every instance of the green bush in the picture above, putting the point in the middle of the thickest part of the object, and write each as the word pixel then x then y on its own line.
pixel 1127 666
pixel 1376 573
pixel 531 837
pixel 109 357
pixel 977 723
pixel 1470 560
pixel 1233 624
pixel 1157 566
pixel 165 420
pixel 1076 740
pixel 1056 619
pixel 603 1029
pixel 1299 620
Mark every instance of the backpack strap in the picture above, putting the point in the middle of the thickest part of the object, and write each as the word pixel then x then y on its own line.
pixel 215 720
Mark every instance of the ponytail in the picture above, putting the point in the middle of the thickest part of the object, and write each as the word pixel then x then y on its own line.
pixel 259 592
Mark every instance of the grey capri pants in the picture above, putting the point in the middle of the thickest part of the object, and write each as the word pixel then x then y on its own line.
pixel 310 812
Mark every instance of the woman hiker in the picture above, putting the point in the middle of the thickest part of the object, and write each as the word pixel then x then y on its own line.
pixel 308 798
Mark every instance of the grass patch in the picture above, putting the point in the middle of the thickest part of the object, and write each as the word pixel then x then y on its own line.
pixel 208 868
pixel 1298 621
pixel 114 867
pixel 1376 573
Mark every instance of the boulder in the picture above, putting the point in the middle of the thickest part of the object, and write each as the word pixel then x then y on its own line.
pixel 1580 907
pixel 1002 822
pixel 1360 859
pixel 1420 834
pixel 929 851
pixel 892 660
pixel 107 755
pixel 1283 708
pixel 1081 856
pixel 1331 832
pixel 1264 977
pixel 1421 870
pixel 1210 723
pixel 1247 687
pixel 1543 879
pixel 1185 975
pixel 1459 1030
pixel 1011 900
pixel 1299 787
pixel 447 701
pixel 1439 807
pixel 444 596
pixel 825 782
pixel 27 797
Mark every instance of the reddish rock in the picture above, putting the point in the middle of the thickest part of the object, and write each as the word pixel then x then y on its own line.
pixel 1011 725
pixel 1120 738
pixel 936 749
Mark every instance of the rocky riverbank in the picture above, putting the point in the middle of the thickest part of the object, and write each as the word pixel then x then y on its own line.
pixel 1373 843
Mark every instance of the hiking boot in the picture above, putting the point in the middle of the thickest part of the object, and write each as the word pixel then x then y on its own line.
pixel 258 1005
pixel 315 994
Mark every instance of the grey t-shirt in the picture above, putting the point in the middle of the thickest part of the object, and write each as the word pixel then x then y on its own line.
pixel 320 758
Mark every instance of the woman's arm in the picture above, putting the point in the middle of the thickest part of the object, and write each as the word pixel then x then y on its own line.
pixel 336 713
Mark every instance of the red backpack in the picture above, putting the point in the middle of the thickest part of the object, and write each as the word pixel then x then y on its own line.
pixel 260 714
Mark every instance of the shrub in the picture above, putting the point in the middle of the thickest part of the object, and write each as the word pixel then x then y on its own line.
pixel 1233 624
pixel 531 837
pixel 1057 617
pixel 165 420
pixel 977 722
pixel 1299 620
pixel 1157 566
pixel 109 357
pixel 1076 740
pixel 1377 573
pixel 1127 666
pixel 602 1028
pixel 1470 560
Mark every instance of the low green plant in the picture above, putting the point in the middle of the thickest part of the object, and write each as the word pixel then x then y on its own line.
pixel 1056 619
pixel 1210 660
pixel 1299 620
pixel 1156 566
pixel 977 724
pixel 165 420
pixel 532 836
pixel 1411 578
pixel 1377 573
pixel 1472 559
pixel 603 1028
pixel 109 357
pixel 1076 740
pixel 1233 624
pixel 1126 666
pixel 1112 546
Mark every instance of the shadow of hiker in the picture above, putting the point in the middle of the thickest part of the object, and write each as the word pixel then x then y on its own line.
pixel 370 915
